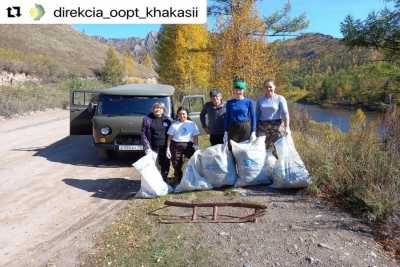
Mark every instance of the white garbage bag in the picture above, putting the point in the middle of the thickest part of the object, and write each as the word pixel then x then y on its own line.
pixel 289 170
pixel 210 168
pixel 218 166
pixel 191 179
pixel 251 162
pixel 151 182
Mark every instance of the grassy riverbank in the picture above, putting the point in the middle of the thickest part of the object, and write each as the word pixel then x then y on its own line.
pixel 359 170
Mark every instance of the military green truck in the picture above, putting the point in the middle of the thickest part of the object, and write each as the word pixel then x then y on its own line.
pixel 114 116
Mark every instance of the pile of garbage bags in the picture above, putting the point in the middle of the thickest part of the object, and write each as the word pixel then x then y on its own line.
pixel 249 163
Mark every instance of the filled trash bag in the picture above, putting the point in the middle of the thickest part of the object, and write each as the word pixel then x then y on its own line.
pixel 289 170
pixel 251 162
pixel 210 168
pixel 191 179
pixel 218 166
pixel 151 182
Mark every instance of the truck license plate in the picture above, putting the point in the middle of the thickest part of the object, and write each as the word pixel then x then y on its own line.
pixel 130 147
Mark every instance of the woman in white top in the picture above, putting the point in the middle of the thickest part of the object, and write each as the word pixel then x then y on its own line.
pixel 182 141
pixel 272 113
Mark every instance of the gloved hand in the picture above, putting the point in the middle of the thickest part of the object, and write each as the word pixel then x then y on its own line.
pixel 287 131
pixel 253 137
pixel 196 147
pixel 225 138
pixel 168 153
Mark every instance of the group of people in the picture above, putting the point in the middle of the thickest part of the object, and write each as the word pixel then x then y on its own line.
pixel 238 119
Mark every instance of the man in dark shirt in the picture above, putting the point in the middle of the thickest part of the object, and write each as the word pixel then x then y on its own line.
pixel 215 112
pixel 154 136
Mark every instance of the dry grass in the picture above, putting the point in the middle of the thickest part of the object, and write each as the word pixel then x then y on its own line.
pixel 359 170
pixel 28 97
pixel 356 168
pixel 67 51
pixel 137 239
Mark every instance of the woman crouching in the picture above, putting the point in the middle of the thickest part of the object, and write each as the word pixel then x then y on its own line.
pixel 182 141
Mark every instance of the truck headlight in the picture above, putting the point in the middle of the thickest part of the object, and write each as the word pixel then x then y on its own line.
pixel 105 130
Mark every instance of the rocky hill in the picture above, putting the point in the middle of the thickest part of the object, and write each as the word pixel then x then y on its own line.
pixel 55 51
pixel 138 47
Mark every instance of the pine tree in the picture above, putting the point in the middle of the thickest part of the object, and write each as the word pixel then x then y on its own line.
pixel 380 30
pixel 112 71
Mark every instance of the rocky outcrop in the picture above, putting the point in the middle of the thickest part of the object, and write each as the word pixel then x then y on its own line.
pixel 137 46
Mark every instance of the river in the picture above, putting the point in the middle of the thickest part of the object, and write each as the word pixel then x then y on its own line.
pixel 338 117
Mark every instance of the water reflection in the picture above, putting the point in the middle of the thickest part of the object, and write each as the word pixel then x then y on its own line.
pixel 338 117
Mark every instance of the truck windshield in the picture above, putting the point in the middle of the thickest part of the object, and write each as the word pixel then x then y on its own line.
pixel 116 105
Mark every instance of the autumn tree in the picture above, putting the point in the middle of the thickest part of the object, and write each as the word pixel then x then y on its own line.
pixel 240 43
pixel 148 61
pixel 179 64
pixel 129 64
pixel 165 54
pixel 113 70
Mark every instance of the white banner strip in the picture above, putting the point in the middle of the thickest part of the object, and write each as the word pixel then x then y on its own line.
pixel 103 12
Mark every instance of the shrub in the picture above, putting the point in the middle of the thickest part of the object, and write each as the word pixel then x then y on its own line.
pixel 357 169
pixel 32 97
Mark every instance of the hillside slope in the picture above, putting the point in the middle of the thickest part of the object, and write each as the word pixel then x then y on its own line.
pixel 323 52
pixel 49 50
pixel 54 51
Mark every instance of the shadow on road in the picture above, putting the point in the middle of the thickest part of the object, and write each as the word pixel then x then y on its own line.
pixel 79 150
pixel 107 188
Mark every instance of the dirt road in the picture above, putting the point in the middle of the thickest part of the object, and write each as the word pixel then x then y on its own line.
pixel 55 193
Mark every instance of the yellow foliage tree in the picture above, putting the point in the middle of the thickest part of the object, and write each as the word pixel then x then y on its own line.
pixel 241 50
pixel 180 62
pixel 148 61
pixel 129 64
pixel 112 71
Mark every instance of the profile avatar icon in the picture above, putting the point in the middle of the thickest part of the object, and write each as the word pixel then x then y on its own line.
pixel 37 12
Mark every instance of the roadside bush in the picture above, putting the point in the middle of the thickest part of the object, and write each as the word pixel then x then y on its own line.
pixel 32 97
pixel 356 169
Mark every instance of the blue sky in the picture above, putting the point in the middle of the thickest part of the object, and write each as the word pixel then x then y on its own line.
pixel 324 16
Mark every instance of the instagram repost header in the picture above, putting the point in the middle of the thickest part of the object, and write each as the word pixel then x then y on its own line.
pixel 103 12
